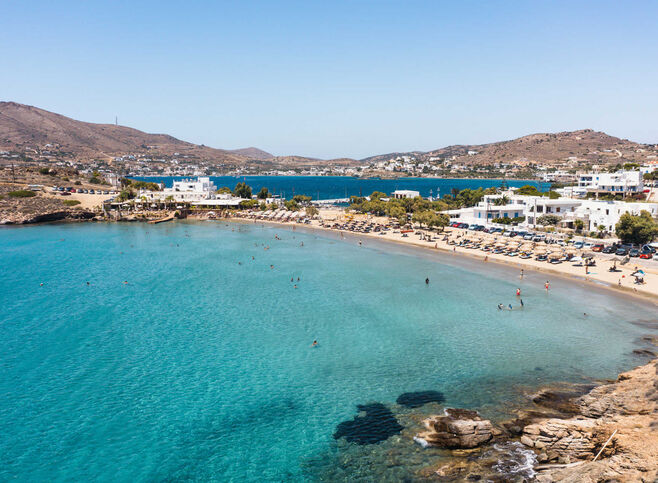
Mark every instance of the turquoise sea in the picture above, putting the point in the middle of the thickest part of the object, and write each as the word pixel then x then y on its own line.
pixel 200 367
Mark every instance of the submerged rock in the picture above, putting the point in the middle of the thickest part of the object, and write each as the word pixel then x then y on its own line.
pixel 376 424
pixel 418 399
pixel 459 428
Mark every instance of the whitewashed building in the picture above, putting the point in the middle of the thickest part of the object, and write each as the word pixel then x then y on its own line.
pixel 400 194
pixel 621 182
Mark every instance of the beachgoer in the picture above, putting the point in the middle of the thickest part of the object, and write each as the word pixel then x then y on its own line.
pixel 521 302
pixel 436 245
pixel 500 306
pixel 298 279
pixel 314 344
pixel 41 284
pixel 521 276
pixel 295 285
pixel 427 281
pixel 271 266
pixel 518 292
pixel 87 283
pixel 546 285
pixel 292 279
pixel 486 258
pixel 510 306
pixel 360 243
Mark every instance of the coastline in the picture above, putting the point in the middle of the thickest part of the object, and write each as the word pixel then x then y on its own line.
pixel 648 293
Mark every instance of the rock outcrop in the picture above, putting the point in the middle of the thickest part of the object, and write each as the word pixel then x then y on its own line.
pixel 629 407
pixel 459 428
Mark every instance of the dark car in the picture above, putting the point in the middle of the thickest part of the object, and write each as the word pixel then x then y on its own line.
pixel 634 252
pixel 621 251
pixel 463 225
pixel 609 249
pixel 648 248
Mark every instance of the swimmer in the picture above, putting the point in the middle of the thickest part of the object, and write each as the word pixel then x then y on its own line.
pixel 41 284
pixel 510 306
pixel 292 279
pixel 295 285
pixel 522 303
pixel 87 283
pixel 314 344
pixel 500 306
pixel 125 282
pixel 298 279
pixel 584 314
pixel 360 243
pixel 427 281
pixel 239 263
pixel 271 266
pixel 301 244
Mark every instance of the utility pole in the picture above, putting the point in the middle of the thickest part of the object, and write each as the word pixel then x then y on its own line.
pixel 116 120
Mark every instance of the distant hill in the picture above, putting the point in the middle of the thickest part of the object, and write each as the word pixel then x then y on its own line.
pixel 586 145
pixel 23 126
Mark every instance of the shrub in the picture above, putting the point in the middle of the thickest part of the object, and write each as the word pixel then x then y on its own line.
pixel 22 194
pixel 71 202
pixel 44 170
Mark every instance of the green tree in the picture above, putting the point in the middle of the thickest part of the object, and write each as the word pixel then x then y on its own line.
pixel 248 204
pixel 548 220
pixel 242 190
pixel 291 205
pixel 224 190
pixel 578 225
pixel 263 194
pixel 638 229
pixel 502 201
pixel 377 195
pixel 397 212
pixel 302 199
pixel 311 211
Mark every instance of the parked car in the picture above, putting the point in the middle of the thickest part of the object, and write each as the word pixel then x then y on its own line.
pixel 648 248
pixel 646 255
pixel 622 252
pixel 598 247
pixel 609 249
pixel 634 252
pixel 578 245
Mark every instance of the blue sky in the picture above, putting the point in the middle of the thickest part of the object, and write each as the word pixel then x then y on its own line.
pixel 332 79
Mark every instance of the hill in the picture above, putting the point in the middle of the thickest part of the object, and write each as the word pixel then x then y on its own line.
pixel 26 128
pixel 586 146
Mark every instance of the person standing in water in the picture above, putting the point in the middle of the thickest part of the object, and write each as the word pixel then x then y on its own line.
pixel 547 285
pixel 518 292
pixel 427 281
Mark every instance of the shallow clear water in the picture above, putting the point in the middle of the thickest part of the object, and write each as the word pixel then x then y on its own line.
pixel 201 368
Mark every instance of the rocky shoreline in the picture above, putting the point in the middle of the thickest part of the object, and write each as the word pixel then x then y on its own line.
pixel 610 433
pixel 37 209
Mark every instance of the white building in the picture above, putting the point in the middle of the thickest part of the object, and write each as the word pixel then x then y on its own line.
pixel 621 182
pixel 400 194
pixel 199 191
pixel 593 213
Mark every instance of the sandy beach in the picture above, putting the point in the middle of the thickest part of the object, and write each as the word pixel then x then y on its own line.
pixel 620 281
